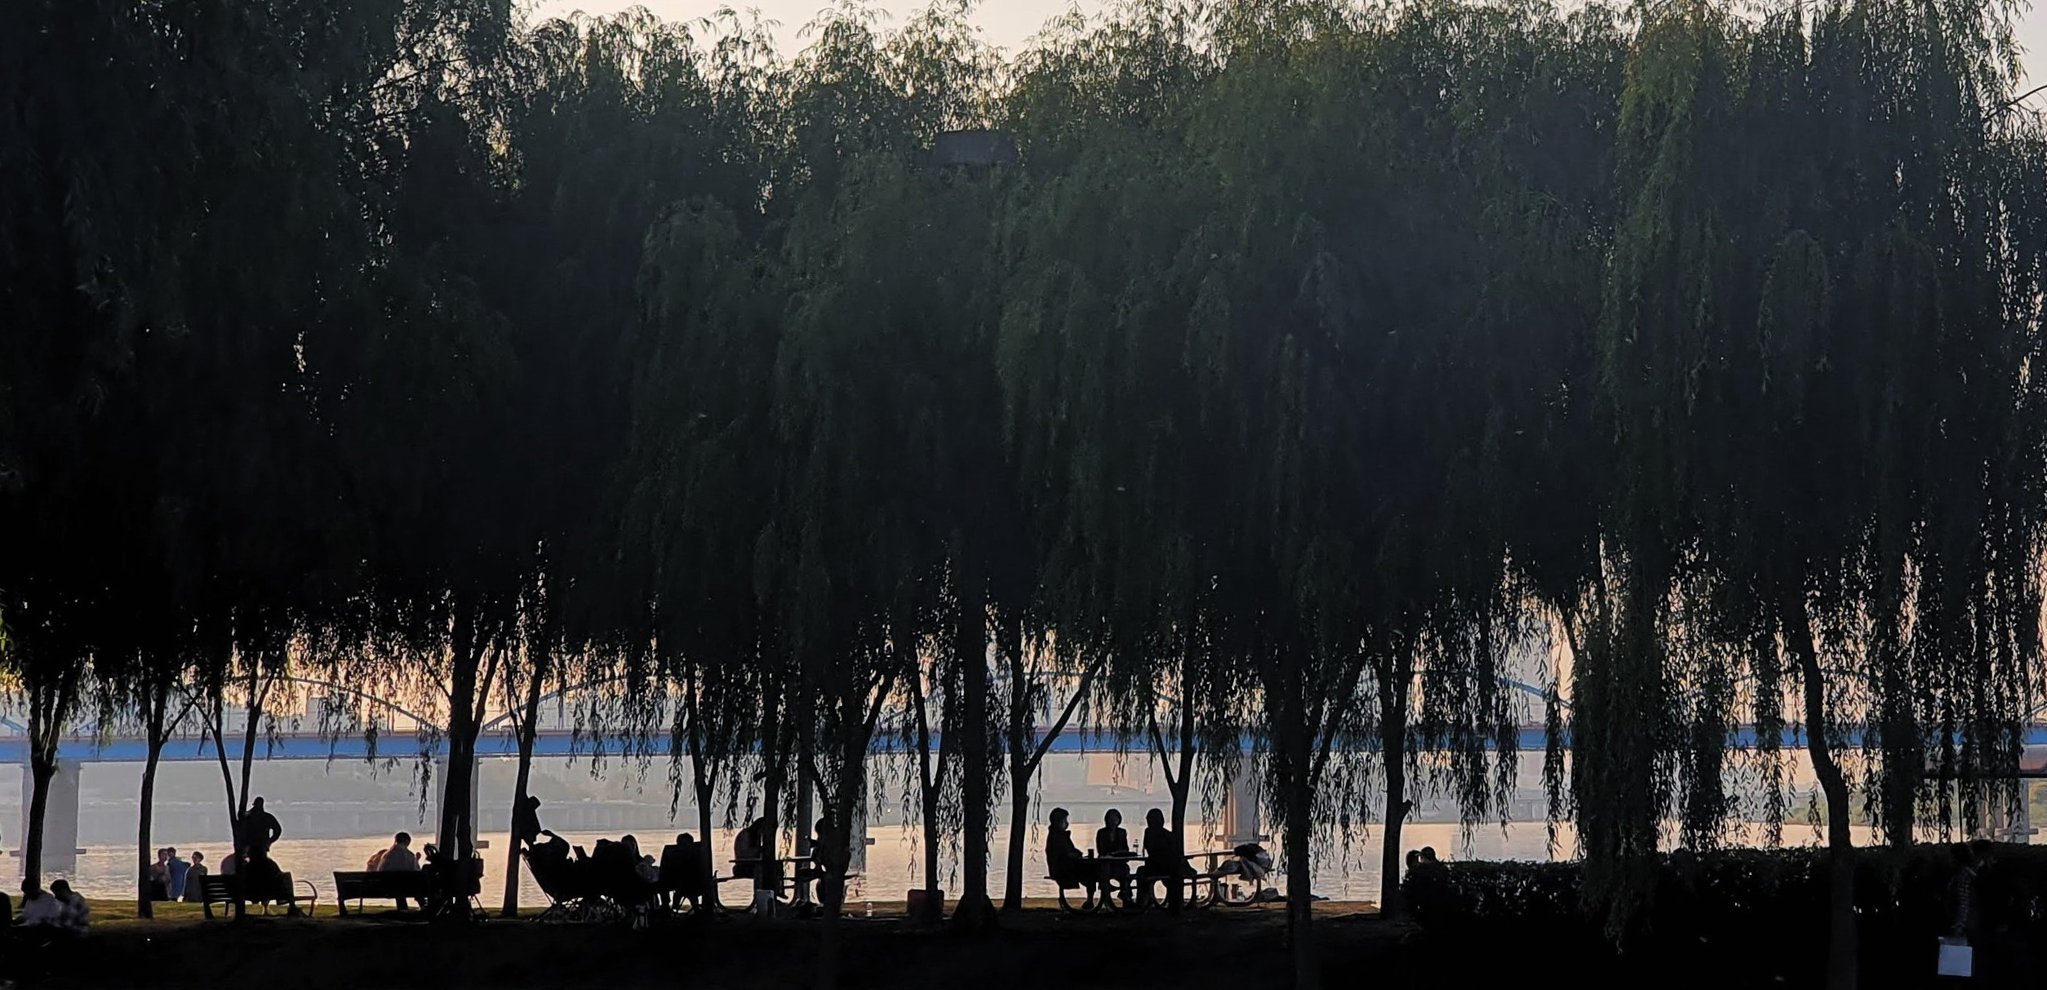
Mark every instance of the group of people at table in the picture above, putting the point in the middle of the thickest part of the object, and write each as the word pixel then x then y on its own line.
pixel 1106 869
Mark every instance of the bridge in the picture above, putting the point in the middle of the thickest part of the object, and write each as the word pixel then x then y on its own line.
pixel 398 734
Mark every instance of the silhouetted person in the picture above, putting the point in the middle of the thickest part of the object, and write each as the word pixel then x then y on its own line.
pixel 259 830
pixel 179 872
pixel 832 857
pixel 158 879
pixel 194 877
pixel 682 872
pixel 261 879
pixel 1063 859
pixel 399 859
pixel 38 908
pixel 747 849
pixel 526 821
pixel 1113 844
pixel 73 913
pixel 1165 859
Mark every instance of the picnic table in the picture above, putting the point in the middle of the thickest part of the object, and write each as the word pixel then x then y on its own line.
pixel 794 882
pixel 1208 885
pixel 1221 886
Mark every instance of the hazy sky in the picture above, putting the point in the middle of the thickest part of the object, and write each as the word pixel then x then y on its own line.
pixel 1009 22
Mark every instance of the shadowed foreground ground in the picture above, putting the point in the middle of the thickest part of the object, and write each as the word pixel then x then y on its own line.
pixel 1041 950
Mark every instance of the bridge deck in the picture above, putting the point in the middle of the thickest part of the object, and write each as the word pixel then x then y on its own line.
pixel 562 742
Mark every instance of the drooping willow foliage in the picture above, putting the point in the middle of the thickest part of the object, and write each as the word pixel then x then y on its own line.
pixel 1256 380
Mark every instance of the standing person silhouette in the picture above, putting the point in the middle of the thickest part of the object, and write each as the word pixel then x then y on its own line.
pixel 260 830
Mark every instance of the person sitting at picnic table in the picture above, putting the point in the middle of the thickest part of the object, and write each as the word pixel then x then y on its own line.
pixel 831 858
pixel 681 875
pixel 1112 844
pixel 194 875
pixel 1165 859
pixel 1063 860
pixel 746 850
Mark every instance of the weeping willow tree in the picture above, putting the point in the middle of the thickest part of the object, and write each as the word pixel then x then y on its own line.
pixel 1816 347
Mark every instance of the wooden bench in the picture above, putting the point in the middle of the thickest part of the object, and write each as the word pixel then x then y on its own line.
pixel 226 889
pixel 394 885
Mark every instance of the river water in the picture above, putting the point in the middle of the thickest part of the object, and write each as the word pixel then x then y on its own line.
pixel 893 865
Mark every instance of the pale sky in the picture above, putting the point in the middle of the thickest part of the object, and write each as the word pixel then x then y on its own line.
pixel 1009 23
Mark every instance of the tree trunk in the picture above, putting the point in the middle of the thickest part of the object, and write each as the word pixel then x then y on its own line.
pixel 705 794
pixel 1300 903
pixel 41 769
pixel 527 729
pixel 1181 784
pixel 1392 902
pixel 765 877
pixel 1393 753
pixel 457 830
pixel 1292 759
pixel 832 889
pixel 1019 827
pixel 1842 946
pixel 255 709
pixel 227 782
pixel 146 856
pixel 970 649
pixel 929 785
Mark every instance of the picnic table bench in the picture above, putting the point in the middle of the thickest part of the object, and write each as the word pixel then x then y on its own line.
pixel 794 882
pixel 226 889
pixel 1205 886
pixel 393 885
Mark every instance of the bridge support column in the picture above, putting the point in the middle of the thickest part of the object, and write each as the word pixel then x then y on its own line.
pixel 475 778
pixel 1240 822
pixel 60 818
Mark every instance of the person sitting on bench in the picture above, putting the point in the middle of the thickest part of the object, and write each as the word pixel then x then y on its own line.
pixel 1063 860
pixel 682 873
pixel 1112 843
pixel 1165 859
pixel 399 859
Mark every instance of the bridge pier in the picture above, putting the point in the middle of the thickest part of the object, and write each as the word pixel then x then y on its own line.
pixel 1240 822
pixel 475 777
pixel 60 817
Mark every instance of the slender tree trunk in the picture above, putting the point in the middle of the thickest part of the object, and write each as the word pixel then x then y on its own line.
pixel 970 647
pixel 1292 759
pixel 704 785
pixel 1842 947
pixel 257 695
pixel 146 856
pixel 458 829
pixel 1393 752
pixel 530 714
pixel 928 786
pixel 1182 786
pixel 227 781
pixel 832 888
pixel 1019 827
pixel 41 769
pixel 765 877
